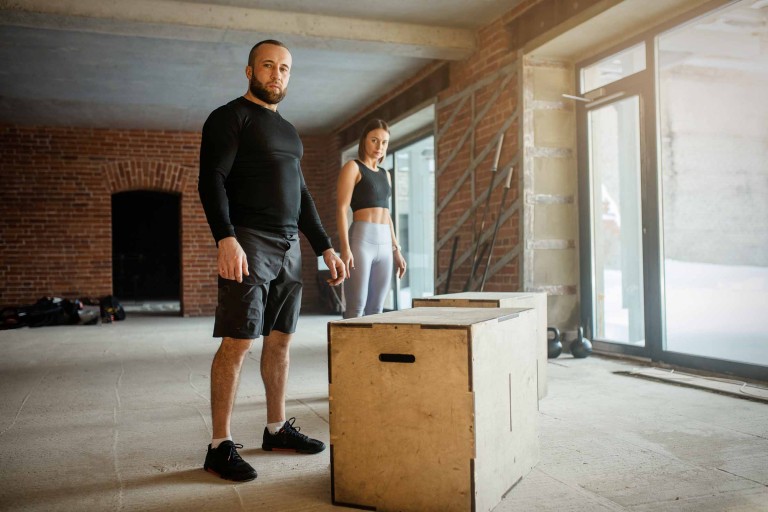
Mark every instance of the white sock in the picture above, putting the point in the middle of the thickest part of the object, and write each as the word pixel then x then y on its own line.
pixel 274 428
pixel 216 442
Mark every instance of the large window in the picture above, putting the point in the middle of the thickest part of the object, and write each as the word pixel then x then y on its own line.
pixel 674 218
pixel 615 67
pixel 713 122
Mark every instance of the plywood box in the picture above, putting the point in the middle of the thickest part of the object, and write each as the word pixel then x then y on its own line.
pixel 535 300
pixel 432 409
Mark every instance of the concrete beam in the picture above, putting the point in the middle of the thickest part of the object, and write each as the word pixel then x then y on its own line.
pixel 167 17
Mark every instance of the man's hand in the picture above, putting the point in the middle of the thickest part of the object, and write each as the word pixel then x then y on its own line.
pixel 232 261
pixel 335 265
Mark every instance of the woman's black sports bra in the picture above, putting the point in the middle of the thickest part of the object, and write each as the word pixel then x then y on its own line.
pixel 372 191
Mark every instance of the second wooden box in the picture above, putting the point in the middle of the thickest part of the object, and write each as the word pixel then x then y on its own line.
pixel 535 300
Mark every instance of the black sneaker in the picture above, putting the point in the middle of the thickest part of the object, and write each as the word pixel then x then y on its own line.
pixel 289 439
pixel 227 463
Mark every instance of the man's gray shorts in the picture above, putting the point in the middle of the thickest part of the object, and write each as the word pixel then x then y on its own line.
pixel 267 299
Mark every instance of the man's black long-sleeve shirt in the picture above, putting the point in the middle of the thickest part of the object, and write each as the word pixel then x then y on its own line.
pixel 250 175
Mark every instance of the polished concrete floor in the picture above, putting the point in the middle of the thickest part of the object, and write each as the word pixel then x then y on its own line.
pixel 116 417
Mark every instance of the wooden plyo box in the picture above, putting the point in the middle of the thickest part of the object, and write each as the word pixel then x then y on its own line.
pixel 432 409
pixel 535 300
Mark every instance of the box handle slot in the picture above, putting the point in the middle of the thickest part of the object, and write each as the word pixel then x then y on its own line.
pixel 397 358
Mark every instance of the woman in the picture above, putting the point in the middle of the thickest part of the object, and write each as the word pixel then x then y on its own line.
pixel 370 247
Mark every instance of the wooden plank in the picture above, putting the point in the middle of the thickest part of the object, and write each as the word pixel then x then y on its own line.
pixel 500 263
pixel 455 302
pixel 444 164
pixel 481 297
pixel 475 204
pixel 475 162
pixel 469 91
pixel 447 124
pixel 432 316
pixel 483 237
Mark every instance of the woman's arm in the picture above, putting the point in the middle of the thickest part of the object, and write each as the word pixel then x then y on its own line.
pixel 397 256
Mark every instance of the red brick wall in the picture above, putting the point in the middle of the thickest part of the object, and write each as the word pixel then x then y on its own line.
pixel 482 98
pixel 318 151
pixel 55 209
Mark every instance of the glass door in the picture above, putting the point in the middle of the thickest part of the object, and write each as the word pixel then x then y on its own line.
pixel 413 213
pixel 613 251
pixel 616 220
pixel 617 256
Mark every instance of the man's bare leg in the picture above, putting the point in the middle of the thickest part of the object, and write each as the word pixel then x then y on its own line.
pixel 225 376
pixel 223 459
pixel 275 360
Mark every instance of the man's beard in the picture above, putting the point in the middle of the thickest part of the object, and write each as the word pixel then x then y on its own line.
pixel 268 96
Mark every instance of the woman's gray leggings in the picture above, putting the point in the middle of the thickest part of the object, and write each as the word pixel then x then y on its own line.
pixel 369 282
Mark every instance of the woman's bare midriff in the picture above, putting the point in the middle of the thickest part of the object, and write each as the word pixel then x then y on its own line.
pixel 374 215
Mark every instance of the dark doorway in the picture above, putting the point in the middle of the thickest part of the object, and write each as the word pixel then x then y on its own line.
pixel 145 246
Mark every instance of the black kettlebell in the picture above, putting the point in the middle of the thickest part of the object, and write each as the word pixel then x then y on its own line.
pixel 581 347
pixel 554 346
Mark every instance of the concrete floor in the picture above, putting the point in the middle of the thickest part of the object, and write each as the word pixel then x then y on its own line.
pixel 116 417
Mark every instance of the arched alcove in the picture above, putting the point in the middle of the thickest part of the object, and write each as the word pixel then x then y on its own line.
pixel 146 241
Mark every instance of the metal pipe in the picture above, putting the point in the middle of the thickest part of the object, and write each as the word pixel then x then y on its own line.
pixel 507 186
pixel 450 264
pixel 475 259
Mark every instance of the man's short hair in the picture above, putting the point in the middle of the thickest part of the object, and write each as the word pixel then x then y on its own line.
pixel 252 53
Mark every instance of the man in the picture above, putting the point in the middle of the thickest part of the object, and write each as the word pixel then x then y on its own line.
pixel 255 200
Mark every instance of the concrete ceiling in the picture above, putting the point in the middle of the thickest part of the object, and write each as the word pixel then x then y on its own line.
pixel 165 64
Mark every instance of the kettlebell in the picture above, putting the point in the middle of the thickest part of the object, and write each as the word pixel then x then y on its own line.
pixel 581 347
pixel 554 346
